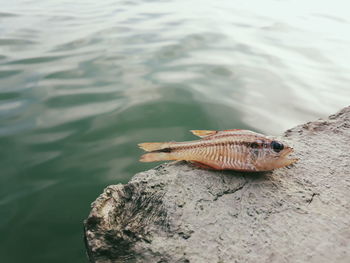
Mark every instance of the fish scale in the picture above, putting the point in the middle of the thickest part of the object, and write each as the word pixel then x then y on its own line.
pixel 222 150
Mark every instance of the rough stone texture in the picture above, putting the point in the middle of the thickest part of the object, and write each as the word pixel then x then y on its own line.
pixel 179 213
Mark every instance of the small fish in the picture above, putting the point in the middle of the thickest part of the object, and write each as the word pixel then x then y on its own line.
pixel 240 150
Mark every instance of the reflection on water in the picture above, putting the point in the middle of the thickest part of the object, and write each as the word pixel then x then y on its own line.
pixel 82 83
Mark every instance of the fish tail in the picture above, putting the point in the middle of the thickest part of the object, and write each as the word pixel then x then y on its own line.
pixel 159 151
pixel 155 157
pixel 153 146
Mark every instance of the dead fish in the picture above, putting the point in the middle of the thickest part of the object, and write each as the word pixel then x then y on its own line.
pixel 240 150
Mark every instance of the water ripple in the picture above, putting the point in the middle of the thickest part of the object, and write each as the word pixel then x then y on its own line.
pixel 83 82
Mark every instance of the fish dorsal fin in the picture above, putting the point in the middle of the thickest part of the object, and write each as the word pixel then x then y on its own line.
pixel 203 133
pixel 240 131
pixel 207 133
pixel 233 130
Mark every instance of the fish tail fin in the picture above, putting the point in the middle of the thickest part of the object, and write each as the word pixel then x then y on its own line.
pixel 155 157
pixel 158 151
pixel 153 146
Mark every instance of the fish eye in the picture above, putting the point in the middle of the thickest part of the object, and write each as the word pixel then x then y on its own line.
pixel 276 146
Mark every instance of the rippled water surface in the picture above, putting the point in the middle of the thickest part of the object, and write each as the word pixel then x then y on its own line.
pixel 82 82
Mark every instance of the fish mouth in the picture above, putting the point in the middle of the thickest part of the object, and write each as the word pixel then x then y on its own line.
pixel 287 151
pixel 285 160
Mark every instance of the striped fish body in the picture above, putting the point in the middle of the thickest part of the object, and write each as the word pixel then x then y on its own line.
pixel 240 150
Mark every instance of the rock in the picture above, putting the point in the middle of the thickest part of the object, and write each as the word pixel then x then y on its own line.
pixel 179 213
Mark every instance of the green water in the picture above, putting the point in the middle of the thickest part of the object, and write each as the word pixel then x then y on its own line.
pixel 82 83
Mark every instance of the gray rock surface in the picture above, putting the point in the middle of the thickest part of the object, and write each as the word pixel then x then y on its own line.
pixel 179 213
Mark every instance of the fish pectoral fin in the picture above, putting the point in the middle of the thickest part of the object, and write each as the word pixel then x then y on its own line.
pixel 203 133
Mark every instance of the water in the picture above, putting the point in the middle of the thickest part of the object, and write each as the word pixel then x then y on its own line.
pixel 82 83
